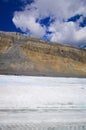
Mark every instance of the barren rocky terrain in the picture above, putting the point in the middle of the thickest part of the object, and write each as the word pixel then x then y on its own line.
pixel 21 55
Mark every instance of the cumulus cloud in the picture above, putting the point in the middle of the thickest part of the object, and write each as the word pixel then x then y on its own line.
pixel 59 29
pixel 28 24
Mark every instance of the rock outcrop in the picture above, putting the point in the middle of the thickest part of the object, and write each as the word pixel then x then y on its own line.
pixel 21 55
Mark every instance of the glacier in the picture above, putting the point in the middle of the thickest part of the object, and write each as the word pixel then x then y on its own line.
pixel 42 103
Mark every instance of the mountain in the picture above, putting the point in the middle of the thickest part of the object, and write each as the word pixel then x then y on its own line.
pixel 21 55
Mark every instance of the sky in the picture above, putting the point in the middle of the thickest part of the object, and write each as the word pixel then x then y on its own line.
pixel 61 21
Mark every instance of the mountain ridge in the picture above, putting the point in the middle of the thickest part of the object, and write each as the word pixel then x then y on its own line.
pixel 21 55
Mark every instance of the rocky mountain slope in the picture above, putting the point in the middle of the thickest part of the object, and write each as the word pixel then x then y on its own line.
pixel 21 55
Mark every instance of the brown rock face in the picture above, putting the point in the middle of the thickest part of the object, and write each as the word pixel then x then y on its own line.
pixel 29 56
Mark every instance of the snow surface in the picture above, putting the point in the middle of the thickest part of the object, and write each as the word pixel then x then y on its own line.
pixel 42 93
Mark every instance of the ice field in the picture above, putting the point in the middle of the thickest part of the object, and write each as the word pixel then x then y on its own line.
pixel 42 103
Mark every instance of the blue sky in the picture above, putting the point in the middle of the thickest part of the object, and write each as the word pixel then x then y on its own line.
pixel 7 9
pixel 54 20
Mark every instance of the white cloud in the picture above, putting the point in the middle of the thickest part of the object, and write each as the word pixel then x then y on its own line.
pixel 28 20
pixel 81 35
pixel 27 23
pixel 63 32
pixel 68 32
